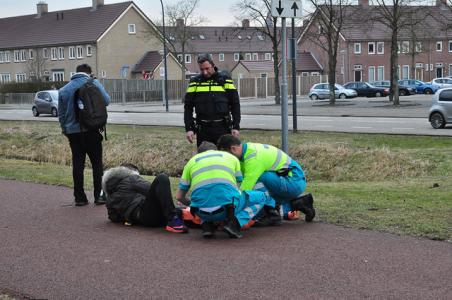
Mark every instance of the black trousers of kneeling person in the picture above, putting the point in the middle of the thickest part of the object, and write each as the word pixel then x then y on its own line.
pixel 211 132
pixel 158 207
pixel 82 144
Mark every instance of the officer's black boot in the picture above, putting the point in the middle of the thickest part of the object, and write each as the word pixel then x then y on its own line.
pixel 305 204
pixel 232 226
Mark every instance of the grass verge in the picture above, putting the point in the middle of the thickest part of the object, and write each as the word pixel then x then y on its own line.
pixel 397 184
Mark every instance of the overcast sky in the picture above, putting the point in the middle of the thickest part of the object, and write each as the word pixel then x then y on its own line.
pixel 218 12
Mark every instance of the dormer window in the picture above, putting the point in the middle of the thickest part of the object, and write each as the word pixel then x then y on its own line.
pixel 202 37
pixel 192 37
pixel 249 37
pixel 260 37
pixel 239 37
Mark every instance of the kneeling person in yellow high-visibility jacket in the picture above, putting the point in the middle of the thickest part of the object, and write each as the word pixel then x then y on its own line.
pixel 213 176
pixel 267 168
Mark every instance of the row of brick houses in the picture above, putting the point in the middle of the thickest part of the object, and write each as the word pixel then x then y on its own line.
pixel 364 46
pixel 120 41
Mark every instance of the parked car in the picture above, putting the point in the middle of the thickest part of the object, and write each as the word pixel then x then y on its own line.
pixel 442 82
pixel 45 102
pixel 366 89
pixel 403 90
pixel 427 88
pixel 322 91
pixel 441 110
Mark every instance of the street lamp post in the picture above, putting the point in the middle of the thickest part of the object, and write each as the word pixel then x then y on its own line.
pixel 165 83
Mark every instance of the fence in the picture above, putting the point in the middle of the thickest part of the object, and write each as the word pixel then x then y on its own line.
pixel 137 90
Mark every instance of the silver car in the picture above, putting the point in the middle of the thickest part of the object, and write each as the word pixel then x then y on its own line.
pixel 45 102
pixel 441 111
pixel 322 91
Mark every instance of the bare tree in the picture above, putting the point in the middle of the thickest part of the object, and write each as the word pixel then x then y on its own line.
pixel 36 65
pixel 330 17
pixel 396 15
pixel 182 16
pixel 259 13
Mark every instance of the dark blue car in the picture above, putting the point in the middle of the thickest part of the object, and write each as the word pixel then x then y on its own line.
pixel 420 86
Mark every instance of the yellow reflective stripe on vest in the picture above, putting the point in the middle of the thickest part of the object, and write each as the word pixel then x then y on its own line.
pixel 229 86
pixel 203 89
pixel 213 167
pixel 213 180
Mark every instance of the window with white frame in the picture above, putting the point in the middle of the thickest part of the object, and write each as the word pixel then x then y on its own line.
pixel 450 69
pixel 187 58
pixel 7 56
pixel 45 53
pixel 450 46
pixel 21 77
pixel 16 55
pixel 53 54
pixel 89 50
pixel 31 54
pixel 131 28
pixel 405 72
pixel 371 48
pixel 2 57
pixel 418 47
pixel 380 73
pixel 71 52
pixel 79 51
pixel 357 48
pixel 58 76
pixel 221 57
pixel 60 53
pixel 236 56
pixel 399 72
pixel 426 67
pixel 371 71
pixel 268 56
pixel 247 56
pixel 255 56
pixel 179 58
pixel 439 46
pixel 431 67
pixel 398 47
pixel 5 77
pixel 104 74
pixel 23 55
pixel 380 47
pixel 405 46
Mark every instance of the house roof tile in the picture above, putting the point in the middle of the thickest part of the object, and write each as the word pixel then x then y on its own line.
pixel 307 63
pixel 148 62
pixel 74 26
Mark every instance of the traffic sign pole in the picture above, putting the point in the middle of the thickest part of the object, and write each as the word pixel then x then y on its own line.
pixel 284 106
pixel 294 79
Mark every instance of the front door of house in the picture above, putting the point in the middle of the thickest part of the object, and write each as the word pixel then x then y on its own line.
pixel 439 72
pixel 358 75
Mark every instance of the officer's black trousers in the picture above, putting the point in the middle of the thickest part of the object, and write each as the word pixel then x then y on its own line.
pixel 82 144
pixel 158 208
pixel 211 132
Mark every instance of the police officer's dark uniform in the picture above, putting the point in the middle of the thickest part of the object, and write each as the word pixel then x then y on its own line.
pixel 216 104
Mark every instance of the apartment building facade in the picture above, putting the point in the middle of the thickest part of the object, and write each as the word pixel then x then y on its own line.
pixel 49 45
pixel 424 52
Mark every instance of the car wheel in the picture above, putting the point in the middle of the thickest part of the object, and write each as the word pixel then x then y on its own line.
pixel 437 120
pixel 54 112
pixel 402 92
pixel 377 94
pixel 342 96
pixel 428 91
pixel 35 112
pixel 314 97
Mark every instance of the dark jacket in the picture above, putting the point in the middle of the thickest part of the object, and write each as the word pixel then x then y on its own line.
pixel 214 98
pixel 125 190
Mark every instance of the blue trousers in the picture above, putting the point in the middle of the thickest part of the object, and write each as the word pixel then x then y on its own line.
pixel 246 207
pixel 283 188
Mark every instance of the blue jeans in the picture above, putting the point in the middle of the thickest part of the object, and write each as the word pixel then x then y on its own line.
pixel 246 207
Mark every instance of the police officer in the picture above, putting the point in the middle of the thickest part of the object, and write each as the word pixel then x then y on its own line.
pixel 215 100
pixel 267 168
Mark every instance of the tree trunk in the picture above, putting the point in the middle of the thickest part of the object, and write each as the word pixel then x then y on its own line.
pixel 394 90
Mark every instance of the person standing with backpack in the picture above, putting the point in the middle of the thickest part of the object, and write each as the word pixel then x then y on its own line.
pixel 82 116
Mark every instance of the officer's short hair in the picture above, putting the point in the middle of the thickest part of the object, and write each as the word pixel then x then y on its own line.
pixel 202 58
pixel 205 146
pixel 225 142
pixel 85 68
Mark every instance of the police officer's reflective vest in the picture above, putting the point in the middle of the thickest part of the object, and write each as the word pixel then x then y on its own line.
pixel 215 98
pixel 259 158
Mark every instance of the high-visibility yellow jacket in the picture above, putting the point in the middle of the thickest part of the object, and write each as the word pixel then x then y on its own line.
pixel 212 176
pixel 259 158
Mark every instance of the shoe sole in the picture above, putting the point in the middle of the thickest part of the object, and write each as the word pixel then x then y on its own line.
pixel 231 233
pixel 176 230
pixel 207 235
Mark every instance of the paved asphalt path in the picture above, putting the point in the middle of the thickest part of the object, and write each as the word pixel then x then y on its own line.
pixel 50 249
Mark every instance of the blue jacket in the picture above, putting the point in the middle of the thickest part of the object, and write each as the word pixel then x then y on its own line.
pixel 66 112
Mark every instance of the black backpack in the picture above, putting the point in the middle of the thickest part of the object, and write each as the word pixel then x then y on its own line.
pixel 93 114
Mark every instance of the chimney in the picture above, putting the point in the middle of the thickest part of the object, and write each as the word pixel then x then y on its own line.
pixel 246 23
pixel 96 4
pixel 363 2
pixel 180 23
pixel 42 8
